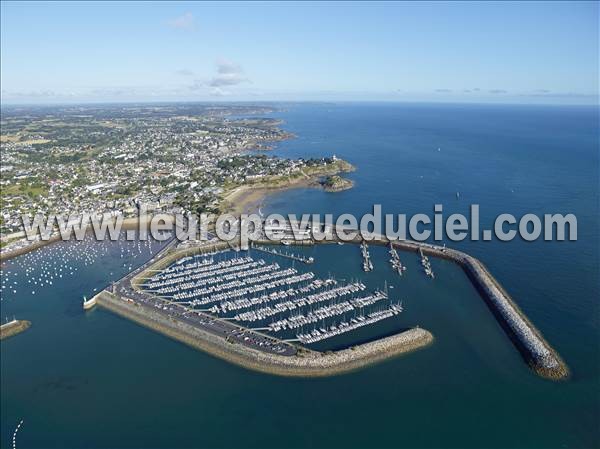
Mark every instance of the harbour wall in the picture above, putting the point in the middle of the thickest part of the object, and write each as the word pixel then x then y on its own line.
pixel 534 348
pixel 528 340
pixel 306 363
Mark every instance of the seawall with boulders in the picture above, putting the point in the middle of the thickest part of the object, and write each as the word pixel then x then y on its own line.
pixel 534 348
pixel 306 363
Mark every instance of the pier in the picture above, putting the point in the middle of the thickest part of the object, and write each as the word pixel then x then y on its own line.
pixel 367 264
pixel 395 261
pixel 89 304
pixel 307 260
pixel 234 348
pixel 426 264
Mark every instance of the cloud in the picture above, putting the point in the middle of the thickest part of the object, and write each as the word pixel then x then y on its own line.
pixel 183 22
pixel 550 94
pixel 104 92
pixel 184 72
pixel 497 91
pixel 197 85
pixel 228 74
pixel 218 92
pixel 202 87
pixel 443 90
pixel 31 94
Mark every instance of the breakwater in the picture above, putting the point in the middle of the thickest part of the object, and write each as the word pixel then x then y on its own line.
pixel 536 351
pixel 529 341
pixel 13 327
pixel 305 363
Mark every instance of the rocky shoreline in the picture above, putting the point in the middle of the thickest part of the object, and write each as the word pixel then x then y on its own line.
pixel 336 183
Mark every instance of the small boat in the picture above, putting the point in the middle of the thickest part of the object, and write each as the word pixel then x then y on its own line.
pixel 88 303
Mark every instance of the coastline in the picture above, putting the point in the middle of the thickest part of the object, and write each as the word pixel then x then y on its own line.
pixel 244 199
pixel 543 359
pixel 247 198
pixel 537 352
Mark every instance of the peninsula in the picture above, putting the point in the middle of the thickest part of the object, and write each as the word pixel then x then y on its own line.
pixel 247 197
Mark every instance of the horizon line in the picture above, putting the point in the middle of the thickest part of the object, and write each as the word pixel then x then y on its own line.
pixel 232 101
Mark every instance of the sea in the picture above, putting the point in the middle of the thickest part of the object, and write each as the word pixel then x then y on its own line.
pixel 92 379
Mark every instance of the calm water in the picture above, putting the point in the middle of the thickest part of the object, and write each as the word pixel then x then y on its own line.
pixel 96 380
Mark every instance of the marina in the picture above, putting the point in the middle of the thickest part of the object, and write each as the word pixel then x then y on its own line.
pixel 235 289
pixel 278 299
pixel 226 291
pixel 281 253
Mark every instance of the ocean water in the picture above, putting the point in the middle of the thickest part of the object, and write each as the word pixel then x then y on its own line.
pixel 95 380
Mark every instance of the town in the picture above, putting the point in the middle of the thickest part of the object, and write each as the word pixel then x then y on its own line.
pixel 111 159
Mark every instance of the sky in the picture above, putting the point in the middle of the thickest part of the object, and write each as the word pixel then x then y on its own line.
pixel 507 52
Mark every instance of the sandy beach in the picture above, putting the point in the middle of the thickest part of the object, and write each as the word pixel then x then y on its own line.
pixel 248 198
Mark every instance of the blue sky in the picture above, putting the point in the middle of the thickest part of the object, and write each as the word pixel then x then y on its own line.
pixel 531 52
